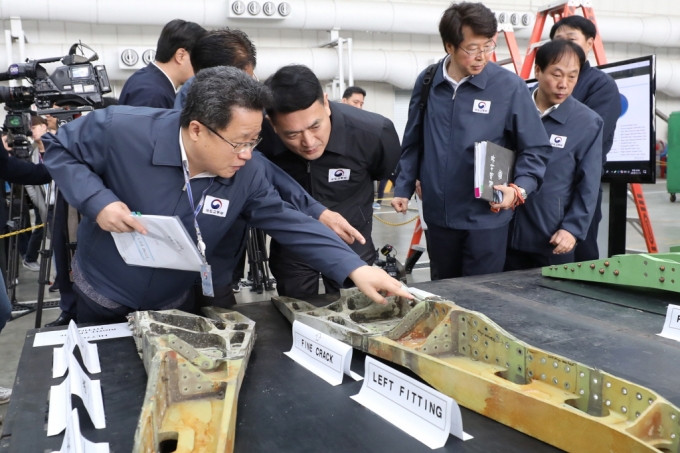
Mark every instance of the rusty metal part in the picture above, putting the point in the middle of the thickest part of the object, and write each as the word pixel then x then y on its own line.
pixel 465 355
pixel 195 367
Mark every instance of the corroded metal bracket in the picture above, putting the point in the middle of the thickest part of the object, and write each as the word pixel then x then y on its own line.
pixel 195 367
pixel 467 356
pixel 656 271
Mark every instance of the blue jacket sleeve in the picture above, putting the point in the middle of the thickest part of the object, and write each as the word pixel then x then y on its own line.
pixel 289 190
pixel 530 139
pixel 409 163
pixel 75 158
pixel 16 171
pixel 606 102
pixel 317 245
pixel 586 188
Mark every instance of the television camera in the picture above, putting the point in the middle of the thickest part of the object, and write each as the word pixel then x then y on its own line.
pixel 72 89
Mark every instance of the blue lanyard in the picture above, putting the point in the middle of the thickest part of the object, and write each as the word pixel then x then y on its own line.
pixel 197 209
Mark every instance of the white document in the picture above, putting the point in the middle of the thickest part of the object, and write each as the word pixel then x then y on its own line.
pixel 94 333
pixel 419 204
pixel 321 354
pixel 74 442
pixel 415 408
pixel 671 327
pixel 167 244
pixel 76 383
pixel 88 351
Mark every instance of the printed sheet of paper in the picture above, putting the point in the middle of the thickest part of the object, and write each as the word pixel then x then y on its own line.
pixel 94 333
pixel 74 442
pixel 167 244
pixel 88 351
pixel 76 383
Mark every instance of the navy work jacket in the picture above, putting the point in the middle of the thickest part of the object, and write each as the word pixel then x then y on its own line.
pixel 599 92
pixel 289 190
pixel 451 128
pixel 133 155
pixel 148 87
pixel 572 181
pixel 181 96
pixel 363 147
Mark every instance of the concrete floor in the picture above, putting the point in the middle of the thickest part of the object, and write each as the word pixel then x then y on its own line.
pixel 665 221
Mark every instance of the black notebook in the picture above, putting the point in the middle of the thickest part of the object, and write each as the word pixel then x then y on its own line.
pixel 494 166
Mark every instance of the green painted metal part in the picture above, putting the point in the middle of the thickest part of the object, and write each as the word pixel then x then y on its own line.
pixel 657 271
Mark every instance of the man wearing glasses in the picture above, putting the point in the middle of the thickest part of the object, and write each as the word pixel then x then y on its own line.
pixel 193 164
pixel 469 101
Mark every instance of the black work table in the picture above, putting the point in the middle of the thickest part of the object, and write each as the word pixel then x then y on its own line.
pixel 283 407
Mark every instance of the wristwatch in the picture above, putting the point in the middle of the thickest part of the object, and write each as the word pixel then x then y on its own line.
pixel 522 193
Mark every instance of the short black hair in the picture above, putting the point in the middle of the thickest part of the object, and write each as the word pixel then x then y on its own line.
pixel 177 34
pixel 478 17
pixel 353 90
pixel 223 47
pixel 553 51
pixel 294 87
pixel 580 23
pixel 216 91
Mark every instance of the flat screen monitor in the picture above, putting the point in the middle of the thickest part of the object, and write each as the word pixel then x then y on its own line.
pixel 632 158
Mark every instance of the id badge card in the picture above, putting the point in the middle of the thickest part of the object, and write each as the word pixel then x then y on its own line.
pixel 206 280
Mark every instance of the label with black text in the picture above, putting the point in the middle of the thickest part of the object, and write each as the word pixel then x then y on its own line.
pixel 671 328
pixel 415 408
pixel 321 354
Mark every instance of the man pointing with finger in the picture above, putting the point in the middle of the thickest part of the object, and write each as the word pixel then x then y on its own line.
pixel 167 162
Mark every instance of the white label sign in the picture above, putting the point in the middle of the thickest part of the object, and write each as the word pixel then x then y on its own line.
pixel 321 354
pixel 105 332
pixel 558 141
pixel 415 408
pixel 88 351
pixel 215 206
pixel 481 106
pixel 338 174
pixel 671 328
pixel 76 383
pixel 74 442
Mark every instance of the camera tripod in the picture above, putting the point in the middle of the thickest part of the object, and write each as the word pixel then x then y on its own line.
pixel 258 275
pixel 16 223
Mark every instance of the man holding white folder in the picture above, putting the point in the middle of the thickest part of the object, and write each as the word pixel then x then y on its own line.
pixel 125 159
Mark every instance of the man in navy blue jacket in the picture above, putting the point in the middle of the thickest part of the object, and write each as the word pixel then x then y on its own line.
pixel 230 47
pixel 546 228
pixel 151 161
pixel 599 92
pixel 470 100
pixel 156 84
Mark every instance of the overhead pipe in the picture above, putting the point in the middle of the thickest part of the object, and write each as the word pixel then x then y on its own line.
pixel 347 15
pixel 399 68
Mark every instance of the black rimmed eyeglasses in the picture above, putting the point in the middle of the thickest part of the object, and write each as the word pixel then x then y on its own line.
pixel 238 147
